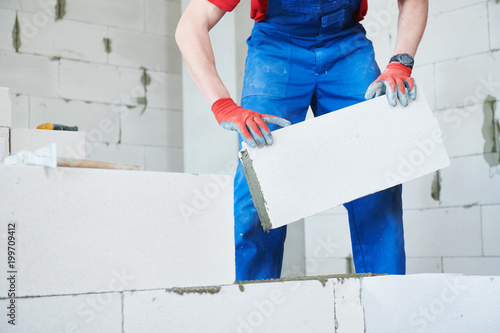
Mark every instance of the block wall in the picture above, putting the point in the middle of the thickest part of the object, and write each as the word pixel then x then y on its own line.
pixel 111 67
pixel 452 217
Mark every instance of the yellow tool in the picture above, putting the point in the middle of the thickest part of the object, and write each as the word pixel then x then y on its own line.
pixel 57 127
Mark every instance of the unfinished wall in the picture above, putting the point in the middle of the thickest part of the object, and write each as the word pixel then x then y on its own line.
pixel 452 218
pixel 111 67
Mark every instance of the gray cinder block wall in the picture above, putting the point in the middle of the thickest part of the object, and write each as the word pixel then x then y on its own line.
pixel 111 67
pixel 452 218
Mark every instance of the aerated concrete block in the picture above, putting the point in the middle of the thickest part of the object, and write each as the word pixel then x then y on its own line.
pixel 93 313
pixel 289 306
pixel 336 158
pixel 69 144
pixel 348 309
pixel 90 230
pixel 431 303
pixel 5 108
pixel 490 222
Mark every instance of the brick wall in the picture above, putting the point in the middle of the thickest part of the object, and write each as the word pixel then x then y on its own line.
pixel 111 67
pixel 452 218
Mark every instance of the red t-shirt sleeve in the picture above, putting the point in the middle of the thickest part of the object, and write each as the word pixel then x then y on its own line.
pixel 363 9
pixel 225 5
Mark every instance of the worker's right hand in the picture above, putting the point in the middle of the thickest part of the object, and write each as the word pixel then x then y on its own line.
pixel 251 125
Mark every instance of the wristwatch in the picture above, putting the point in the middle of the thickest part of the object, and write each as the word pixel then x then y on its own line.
pixel 404 59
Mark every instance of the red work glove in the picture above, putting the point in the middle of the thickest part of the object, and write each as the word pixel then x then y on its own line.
pixel 249 124
pixel 395 82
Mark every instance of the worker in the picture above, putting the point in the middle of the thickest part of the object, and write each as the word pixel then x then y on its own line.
pixel 305 53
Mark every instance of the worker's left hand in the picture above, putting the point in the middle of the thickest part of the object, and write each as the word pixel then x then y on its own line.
pixel 395 82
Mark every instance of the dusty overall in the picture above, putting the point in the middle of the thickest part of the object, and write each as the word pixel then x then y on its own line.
pixel 313 53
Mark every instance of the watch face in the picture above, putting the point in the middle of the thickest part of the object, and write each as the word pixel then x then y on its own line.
pixel 406 59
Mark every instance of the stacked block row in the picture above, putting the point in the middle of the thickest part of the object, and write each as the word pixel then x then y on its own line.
pixel 420 303
pixel 112 68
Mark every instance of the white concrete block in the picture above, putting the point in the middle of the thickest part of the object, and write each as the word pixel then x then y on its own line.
pixel 494 22
pixel 41 8
pixel 431 303
pixel 100 83
pixel 461 39
pixel 163 159
pixel 467 131
pixel 10 4
pixel 165 91
pixel 329 266
pixel 349 314
pixel 442 232
pixel 5 108
pixel 68 144
pixel 294 254
pixel 116 153
pixel 20 110
pixel 292 306
pixel 442 6
pixel 81 313
pixel 327 236
pixel 471 180
pixel 127 14
pixel 141 230
pixel 4 142
pixel 119 86
pixel 423 265
pixel 417 193
pixel 472 266
pixel 161 17
pixel 152 127
pixel 339 210
pixel 478 77
pixel 62 38
pixel 28 74
pixel 490 217
pixel 7 19
pixel 342 156
pixel 100 122
pixel 137 49
pixel 424 79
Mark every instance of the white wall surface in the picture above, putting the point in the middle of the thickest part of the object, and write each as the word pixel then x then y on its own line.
pixel 62 73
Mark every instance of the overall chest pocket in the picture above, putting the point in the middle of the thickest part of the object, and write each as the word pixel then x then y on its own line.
pixel 328 11
pixel 313 7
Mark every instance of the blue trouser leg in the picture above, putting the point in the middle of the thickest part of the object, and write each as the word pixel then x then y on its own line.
pixel 376 228
pixel 376 220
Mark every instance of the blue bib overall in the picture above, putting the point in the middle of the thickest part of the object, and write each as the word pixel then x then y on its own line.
pixel 313 53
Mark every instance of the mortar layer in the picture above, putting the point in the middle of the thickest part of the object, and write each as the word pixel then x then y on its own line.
pixel 198 290
pixel 321 278
pixel 255 190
